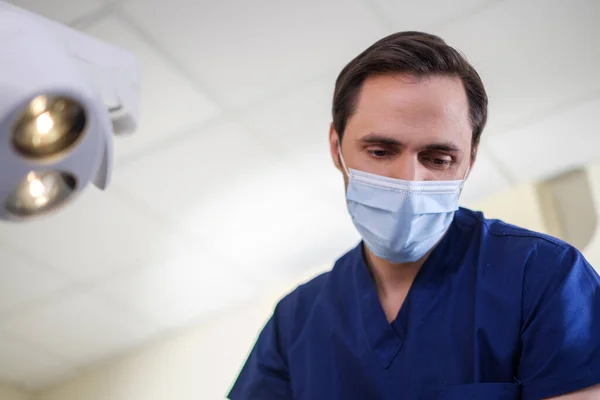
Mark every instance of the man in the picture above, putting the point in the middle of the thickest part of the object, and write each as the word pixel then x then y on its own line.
pixel 436 302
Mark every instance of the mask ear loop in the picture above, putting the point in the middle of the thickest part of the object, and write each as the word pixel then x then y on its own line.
pixel 464 179
pixel 342 159
pixel 466 173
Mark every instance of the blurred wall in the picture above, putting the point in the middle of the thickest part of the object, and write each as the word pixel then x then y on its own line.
pixel 519 206
pixel 567 207
pixel 592 252
pixel 203 362
pixel 8 393
pixel 198 364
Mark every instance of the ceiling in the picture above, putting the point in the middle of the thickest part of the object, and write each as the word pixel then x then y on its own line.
pixel 227 187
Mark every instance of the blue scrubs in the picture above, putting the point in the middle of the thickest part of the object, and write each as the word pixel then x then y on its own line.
pixel 496 312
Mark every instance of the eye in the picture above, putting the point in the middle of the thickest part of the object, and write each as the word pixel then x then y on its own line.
pixel 438 162
pixel 379 153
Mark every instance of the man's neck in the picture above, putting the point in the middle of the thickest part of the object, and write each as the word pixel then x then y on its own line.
pixel 392 281
pixel 391 278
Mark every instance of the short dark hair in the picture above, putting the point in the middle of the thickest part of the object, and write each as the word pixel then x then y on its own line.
pixel 416 53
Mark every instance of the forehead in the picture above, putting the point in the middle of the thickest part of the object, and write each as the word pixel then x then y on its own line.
pixel 419 109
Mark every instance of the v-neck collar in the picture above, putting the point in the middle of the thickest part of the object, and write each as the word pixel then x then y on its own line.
pixel 386 339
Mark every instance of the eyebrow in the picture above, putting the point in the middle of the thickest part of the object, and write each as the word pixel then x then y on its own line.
pixel 448 147
pixel 378 138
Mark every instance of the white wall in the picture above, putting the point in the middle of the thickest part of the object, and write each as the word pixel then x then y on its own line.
pixel 8 393
pixel 592 253
pixel 199 364
pixel 519 206
pixel 202 363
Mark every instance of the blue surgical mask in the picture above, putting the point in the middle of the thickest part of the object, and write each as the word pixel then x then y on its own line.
pixel 400 221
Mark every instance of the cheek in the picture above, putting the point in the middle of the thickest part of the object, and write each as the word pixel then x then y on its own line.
pixel 405 165
pixel 367 163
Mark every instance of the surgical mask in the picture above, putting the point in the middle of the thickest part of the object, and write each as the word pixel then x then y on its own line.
pixel 400 221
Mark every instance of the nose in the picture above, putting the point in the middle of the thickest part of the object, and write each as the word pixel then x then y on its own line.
pixel 407 167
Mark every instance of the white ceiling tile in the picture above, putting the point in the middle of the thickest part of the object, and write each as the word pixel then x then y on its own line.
pixel 533 55
pixel 419 15
pixel 65 11
pixel 484 180
pixel 298 124
pixel 22 281
pixel 553 145
pixel 28 367
pixel 319 228
pixel 247 50
pixel 179 289
pixel 319 172
pixel 258 211
pixel 299 121
pixel 81 327
pixel 314 239
pixel 94 234
pixel 275 220
pixel 183 176
pixel 169 102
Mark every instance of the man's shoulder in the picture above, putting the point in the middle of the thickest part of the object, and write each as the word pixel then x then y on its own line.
pixel 303 296
pixel 294 309
pixel 540 259
pixel 500 250
pixel 505 235
pixel 300 306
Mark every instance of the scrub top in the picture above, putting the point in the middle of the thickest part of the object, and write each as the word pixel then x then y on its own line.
pixel 496 312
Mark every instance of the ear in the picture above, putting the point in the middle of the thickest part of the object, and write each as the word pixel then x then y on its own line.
pixel 473 158
pixel 333 146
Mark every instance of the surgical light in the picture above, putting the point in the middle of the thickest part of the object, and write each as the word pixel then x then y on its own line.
pixel 63 96
pixel 40 192
pixel 48 126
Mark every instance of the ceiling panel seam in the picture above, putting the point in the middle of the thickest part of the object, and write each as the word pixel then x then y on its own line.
pixel 552 111
pixel 37 348
pixel 93 17
pixel 385 22
pixel 472 12
pixel 233 114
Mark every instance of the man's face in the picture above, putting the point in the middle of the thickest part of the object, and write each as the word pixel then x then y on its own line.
pixel 408 128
